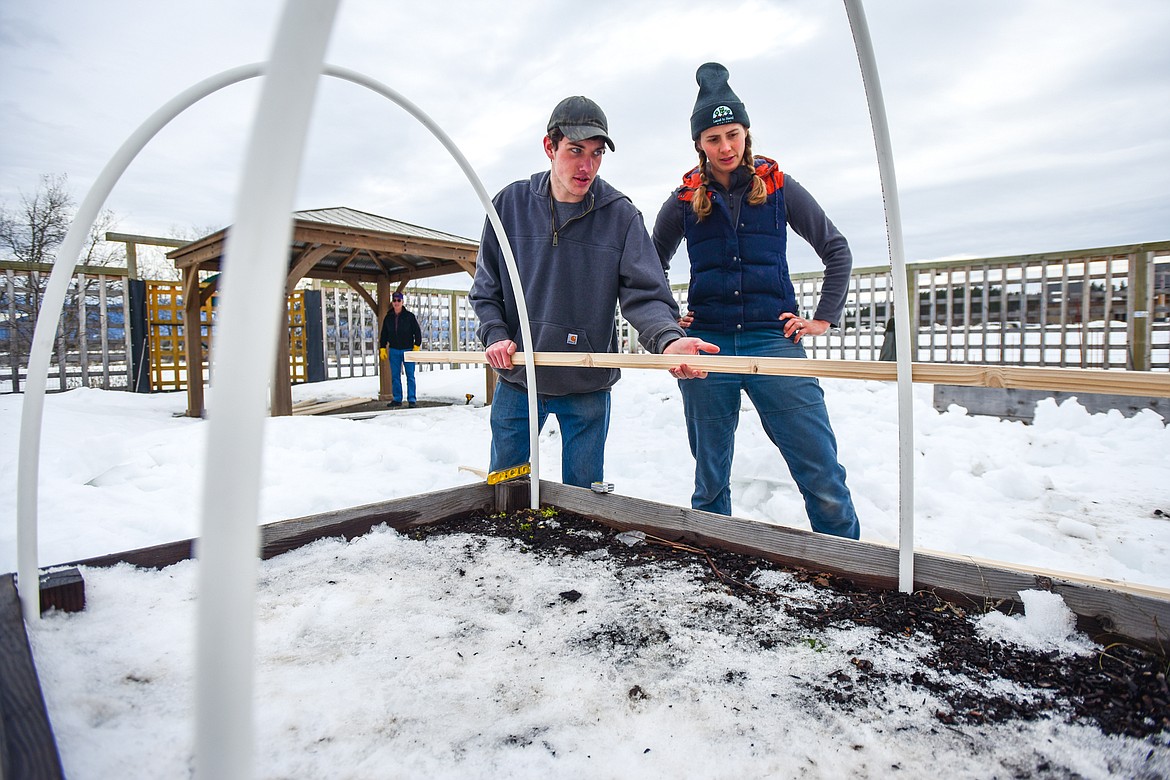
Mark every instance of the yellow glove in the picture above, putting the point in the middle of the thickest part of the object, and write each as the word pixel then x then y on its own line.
pixel 382 354
pixel 417 347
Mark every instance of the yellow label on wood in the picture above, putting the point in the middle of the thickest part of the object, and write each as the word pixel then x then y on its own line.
pixel 503 475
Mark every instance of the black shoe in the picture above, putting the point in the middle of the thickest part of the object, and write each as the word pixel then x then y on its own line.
pixel 413 404
pixel 394 403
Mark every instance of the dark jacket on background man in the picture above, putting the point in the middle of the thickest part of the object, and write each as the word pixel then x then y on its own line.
pixel 400 331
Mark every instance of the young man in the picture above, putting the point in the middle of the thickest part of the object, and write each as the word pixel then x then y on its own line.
pixel 400 333
pixel 581 248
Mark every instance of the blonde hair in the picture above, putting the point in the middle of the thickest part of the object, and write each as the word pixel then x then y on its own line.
pixel 701 202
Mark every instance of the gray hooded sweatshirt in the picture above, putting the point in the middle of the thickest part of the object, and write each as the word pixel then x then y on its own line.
pixel 577 262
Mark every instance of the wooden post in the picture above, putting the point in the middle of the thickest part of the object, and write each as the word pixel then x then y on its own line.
pixel 14 352
pixel 63 590
pixel 281 405
pixel 193 342
pixel 912 304
pixel 453 322
pixel 385 388
pixel 131 260
pixel 1140 309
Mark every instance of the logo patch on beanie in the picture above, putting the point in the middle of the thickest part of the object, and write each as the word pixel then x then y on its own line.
pixel 722 115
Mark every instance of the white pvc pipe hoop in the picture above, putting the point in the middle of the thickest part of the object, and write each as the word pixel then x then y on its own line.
pixel 885 158
pixel 54 297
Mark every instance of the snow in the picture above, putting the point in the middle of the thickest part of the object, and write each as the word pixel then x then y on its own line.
pixel 392 657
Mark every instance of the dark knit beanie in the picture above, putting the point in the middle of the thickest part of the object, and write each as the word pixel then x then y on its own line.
pixel 716 103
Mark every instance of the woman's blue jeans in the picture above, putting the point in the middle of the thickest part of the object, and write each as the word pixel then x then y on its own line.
pixel 584 420
pixel 792 411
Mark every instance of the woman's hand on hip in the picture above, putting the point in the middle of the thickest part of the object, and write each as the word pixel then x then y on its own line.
pixel 797 327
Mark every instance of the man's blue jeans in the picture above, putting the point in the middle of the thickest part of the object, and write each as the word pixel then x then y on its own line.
pixel 397 364
pixel 584 420
pixel 792 411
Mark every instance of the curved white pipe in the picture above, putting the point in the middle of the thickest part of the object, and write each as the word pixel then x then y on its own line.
pixel 252 311
pixel 32 414
pixel 32 410
pixel 28 460
pixel 885 157
pixel 509 259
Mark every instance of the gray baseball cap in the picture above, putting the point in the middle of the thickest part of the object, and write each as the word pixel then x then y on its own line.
pixel 580 118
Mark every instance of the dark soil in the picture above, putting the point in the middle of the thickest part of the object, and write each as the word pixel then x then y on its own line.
pixel 1121 689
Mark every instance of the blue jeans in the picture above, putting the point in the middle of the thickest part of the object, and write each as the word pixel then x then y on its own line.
pixel 792 411
pixel 396 365
pixel 584 419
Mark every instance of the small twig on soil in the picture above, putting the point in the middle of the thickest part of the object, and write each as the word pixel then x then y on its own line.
pixel 705 554
pixel 723 577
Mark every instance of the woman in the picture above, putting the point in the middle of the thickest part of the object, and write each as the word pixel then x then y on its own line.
pixel 734 209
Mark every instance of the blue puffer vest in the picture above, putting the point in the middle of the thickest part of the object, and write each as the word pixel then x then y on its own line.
pixel 739 277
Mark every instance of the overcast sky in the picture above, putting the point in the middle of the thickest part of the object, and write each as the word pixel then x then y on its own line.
pixel 1019 126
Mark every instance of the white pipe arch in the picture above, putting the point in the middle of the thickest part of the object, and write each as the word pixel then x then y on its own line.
pixel 33 405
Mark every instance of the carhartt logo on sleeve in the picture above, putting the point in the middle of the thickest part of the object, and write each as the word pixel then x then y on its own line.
pixel 572 339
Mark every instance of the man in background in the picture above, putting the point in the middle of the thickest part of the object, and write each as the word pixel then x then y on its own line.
pixel 400 333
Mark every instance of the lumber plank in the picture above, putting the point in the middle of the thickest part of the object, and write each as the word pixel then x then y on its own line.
pixel 27 748
pixel 284 535
pixel 321 407
pixel 400 514
pixel 157 556
pixel 1073 380
pixel 1138 612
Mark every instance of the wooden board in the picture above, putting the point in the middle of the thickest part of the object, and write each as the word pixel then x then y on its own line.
pixel 321 407
pixel 285 535
pixel 27 746
pixel 1138 612
pixel 1087 380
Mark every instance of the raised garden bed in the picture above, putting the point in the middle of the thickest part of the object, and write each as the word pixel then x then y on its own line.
pixel 1120 691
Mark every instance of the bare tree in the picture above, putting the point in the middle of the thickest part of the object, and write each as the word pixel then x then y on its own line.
pixel 30 235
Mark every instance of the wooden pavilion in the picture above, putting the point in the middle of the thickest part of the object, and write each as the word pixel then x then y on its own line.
pixel 339 244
